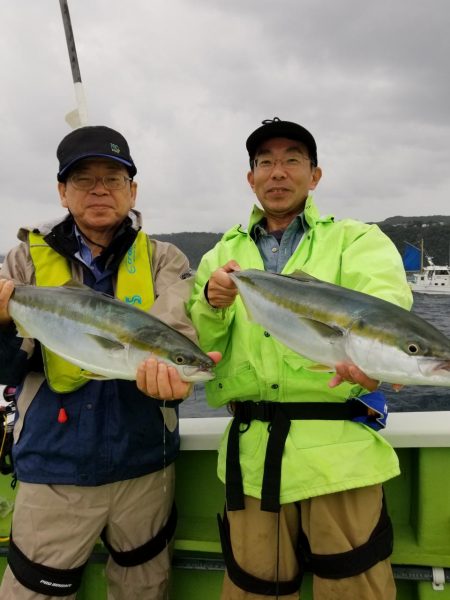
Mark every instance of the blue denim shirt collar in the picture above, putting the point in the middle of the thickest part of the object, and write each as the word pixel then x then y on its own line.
pixel 275 254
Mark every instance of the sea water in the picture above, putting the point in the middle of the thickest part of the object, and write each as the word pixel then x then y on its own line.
pixel 435 309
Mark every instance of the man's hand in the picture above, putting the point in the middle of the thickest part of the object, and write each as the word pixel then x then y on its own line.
pixel 162 381
pixel 352 374
pixel 221 291
pixel 6 290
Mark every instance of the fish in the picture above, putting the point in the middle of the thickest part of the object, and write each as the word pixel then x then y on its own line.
pixel 329 324
pixel 104 336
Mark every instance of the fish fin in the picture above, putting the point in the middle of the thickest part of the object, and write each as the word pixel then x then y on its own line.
pixel 320 368
pixel 22 332
pixel 106 343
pixel 299 274
pixel 328 331
pixel 90 375
pixel 75 284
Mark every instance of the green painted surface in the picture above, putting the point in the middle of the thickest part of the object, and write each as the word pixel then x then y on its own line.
pixel 419 504
pixel 196 585
pixel 418 500
pixel 425 592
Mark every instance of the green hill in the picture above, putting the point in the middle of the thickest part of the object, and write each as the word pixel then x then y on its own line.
pixel 193 244
pixel 434 230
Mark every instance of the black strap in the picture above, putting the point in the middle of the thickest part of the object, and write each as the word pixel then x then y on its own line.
pixel 270 491
pixel 234 490
pixel 353 562
pixel 40 578
pixel 246 581
pixel 279 415
pixel 140 555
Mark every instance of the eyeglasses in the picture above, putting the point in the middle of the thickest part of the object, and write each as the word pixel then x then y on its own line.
pixel 81 181
pixel 289 163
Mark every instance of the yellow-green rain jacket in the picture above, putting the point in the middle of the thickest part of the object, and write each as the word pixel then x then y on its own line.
pixel 320 457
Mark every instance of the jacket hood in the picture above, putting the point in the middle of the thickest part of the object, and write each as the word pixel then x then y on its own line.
pixel 47 226
pixel 311 212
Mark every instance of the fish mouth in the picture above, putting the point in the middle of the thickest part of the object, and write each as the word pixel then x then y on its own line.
pixel 433 366
pixel 193 373
pixel 442 366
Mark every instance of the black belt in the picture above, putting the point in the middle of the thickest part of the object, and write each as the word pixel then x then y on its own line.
pixel 279 415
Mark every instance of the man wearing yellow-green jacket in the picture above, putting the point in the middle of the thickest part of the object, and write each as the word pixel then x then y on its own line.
pixel 322 507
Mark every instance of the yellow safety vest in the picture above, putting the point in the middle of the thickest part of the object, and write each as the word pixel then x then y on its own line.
pixel 134 286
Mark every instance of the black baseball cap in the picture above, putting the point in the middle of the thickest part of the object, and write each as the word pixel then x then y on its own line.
pixel 93 141
pixel 273 128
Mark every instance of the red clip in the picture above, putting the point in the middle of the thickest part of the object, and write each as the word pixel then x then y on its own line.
pixel 62 415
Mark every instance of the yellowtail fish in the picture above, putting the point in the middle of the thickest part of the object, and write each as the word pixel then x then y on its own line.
pixel 102 335
pixel 329 324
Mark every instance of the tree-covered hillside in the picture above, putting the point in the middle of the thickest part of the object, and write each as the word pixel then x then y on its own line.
pixel 193 244
pixel 435 232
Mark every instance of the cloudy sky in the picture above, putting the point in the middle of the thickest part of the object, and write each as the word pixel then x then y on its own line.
pixel 186 81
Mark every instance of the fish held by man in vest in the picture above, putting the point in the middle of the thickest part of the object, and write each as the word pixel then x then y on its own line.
pixel 329 324
pixel 104 336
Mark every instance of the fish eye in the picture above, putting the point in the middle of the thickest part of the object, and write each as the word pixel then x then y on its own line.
pixel 179 360
pixel 413 348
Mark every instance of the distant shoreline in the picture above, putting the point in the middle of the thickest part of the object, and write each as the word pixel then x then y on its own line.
pixel 433 230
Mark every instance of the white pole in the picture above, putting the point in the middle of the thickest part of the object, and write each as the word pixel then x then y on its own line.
pixel 78 117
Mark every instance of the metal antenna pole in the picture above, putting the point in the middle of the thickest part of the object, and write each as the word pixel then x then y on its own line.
pixel 78 117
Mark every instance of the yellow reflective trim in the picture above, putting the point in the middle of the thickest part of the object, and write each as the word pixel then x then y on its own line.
pixel 135 280
pixel 51 269
pixel 134 286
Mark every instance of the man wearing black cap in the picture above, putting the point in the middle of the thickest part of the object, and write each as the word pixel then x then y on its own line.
pixel 303 483
pixel 93 457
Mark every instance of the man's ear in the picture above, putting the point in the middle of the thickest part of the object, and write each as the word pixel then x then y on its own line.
pixel 62 187
pixel 251 179
pixel 133 193
pixel 315 178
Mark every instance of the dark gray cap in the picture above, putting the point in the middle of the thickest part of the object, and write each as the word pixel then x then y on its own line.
pixel 275 128
pixel 93 141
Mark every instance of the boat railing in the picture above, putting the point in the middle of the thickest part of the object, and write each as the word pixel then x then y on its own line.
pixel 418 502
pixel 404 430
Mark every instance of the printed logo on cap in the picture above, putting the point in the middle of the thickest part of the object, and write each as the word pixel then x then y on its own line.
pixel 115 148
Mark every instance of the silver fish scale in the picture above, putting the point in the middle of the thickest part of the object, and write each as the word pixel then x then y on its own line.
pixel 103 335
pixel 328 324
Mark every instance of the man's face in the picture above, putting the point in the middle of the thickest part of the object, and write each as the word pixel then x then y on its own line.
pixel 283 187
pixel 100 208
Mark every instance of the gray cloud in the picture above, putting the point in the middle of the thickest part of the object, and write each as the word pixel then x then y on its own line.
pixel 186 81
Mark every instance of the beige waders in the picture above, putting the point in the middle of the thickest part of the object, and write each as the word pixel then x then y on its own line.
pixel 58 525
pixel 333 523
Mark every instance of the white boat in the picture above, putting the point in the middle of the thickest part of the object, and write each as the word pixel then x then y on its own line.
pixel 433 279
pixel 430 279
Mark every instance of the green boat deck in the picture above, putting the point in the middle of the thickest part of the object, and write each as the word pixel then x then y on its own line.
pixel 418 500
